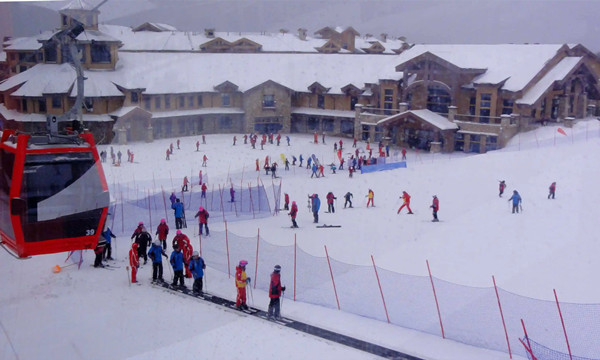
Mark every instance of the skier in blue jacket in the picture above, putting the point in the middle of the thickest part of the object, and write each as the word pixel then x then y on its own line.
pixel 301 159
pixel 316 204
pixel 177 264
pixel 197 267
pixel 108 236
pixel 179 214
pixel 516 199
pixel 315 168
pixel 155 254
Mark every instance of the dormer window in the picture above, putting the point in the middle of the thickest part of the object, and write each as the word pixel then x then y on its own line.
pixel 321 101
pixel 100 53
pixel 50 53
pixel 225 100
pixel 64 20
pixel 134 97
pixel 269 101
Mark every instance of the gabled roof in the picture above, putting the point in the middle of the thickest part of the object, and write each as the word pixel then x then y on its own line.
pixel 318 88
pixel 246 43
pixel 518 64
pixel 375 48
pixel 331 46
pixel 217 42
pixel 351 30
pixel 268 82
pixel 426 115
pixel 226 86
pixel 351 89
pixel 326 31
pixel 558 73
pixel 156 27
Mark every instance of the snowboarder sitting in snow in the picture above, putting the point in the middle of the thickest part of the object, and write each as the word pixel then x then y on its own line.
pixel 197 267
pixel 275 292
pixel 516 199
pixel 156 253
pixel 177 264
pixel 241 280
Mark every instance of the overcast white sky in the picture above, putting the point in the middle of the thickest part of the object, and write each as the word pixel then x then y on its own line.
pixel 420 21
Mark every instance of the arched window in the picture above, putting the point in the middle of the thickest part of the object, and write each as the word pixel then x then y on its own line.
pixel 438 99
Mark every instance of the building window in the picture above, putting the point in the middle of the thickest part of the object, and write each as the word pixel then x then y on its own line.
pixel 181 125
pixel 321 101
pixel 328 124
pixel 491 143
pixel 182 102
pixel 485 105
pixel 507 106
pixel 22 56
pixel 543 108
pixel 225 122
pixel 353 102
pixel 347 127
pixel 225 100
pixel 22 68
pixel 89 104
pixel 167 102
pixel 100 53
pixel 40 57
pixel 459 142
pixel 56 102
pixel 199 100
pixel 472 104
pixel 147 102
pixel 42 105
pixel 157 102
pixel 438 100
pixel 269 101
pixel 50 53
pixel 313 124
pixel 555 105
pixel 134 97
pixel 65 20
pixel 24 105
pixel 475 144
pixel 388 101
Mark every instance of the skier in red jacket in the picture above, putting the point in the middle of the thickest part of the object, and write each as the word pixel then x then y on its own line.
pixel 203 188
pixel 286 202
pixel 202 216
pixel 406 203
pixel 293 212
pixel 162 231
pixel 435 205
pixel 330 198
pixel 552 189
pixel 134 261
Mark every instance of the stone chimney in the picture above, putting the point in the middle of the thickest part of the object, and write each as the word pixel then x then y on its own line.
pixel 209 33
pixel 384 37
pixel 302 34
pixel 402 107
pixel 452 111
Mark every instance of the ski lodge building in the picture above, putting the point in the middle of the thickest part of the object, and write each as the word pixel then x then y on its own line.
pixel 153 81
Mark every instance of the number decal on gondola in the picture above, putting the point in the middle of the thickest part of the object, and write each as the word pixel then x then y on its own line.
pixel 90 232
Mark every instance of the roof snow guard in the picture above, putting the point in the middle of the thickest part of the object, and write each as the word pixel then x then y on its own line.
pixel 425 115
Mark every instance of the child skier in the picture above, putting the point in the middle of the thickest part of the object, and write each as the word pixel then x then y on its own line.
pixel 275 292
pixel 156 253
pixel 177 264
pixel 552 189
pixel 202 216
pixel 516 199
pixel 435 205
pixel 501 187
pixel 371 198
pixel 134 261
pixel 348 197
pixel 197 267
pixel 241 280
pixel 406 198
pixel 293 213
pixel 162 231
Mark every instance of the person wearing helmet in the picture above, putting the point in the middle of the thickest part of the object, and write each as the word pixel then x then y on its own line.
pixel 162 231
pixel 155 253
pixel 202 216
pixel 240 283
pixel 176 261
pixel 134 261
pixel 293 212
pixel 275 292
pixel 138 230
pixel 435 205
pixel 143 239
pixel 197 266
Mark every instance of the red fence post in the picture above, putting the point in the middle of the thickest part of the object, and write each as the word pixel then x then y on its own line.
pixel 436 300
pixel 227 246
pixel 295 249
pixel 528 343
pixel 332 281
pixel 256 266
pixel 563 324
pixel 502 316
pixel 380 290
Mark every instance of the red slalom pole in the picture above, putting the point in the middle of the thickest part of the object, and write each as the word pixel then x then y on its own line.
pixel 380 290
pixel 295 249
pixel 256 266
pixel 332 280
pixel 527 338
pixel 563 324
pixel 502 316
pixel 436 300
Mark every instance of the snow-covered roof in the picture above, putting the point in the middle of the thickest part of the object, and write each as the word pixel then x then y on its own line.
pixel 324 112
pixel 515 63
pixel 201 111
pixel 157 26
pixel 78 5
pixel 85 36
pixel 13 114
pixel 2 56
pixel 557 73
pixel 27 43
pixel 426 115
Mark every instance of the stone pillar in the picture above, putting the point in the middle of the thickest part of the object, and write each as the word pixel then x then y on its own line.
pixel 467 145
pixel 584 104
pixel 357 127
pixel 402 107
pixel 569 121
pixel 504 120
pixel 435 147
pixel 563 107
pixel 514 119
pixel 122 136
pixel 149 134
pixel 452 111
